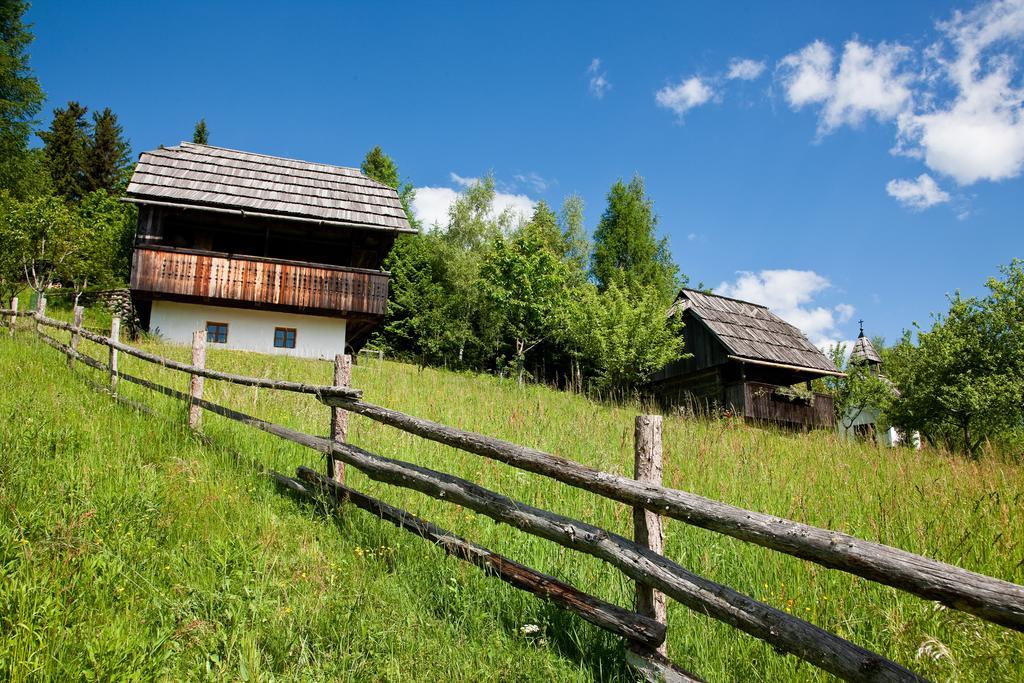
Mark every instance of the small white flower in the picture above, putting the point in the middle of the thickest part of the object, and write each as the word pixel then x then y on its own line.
pixel 529 629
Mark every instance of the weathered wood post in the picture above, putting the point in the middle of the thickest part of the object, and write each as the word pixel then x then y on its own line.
pixel 75 335
pixel 115 336
pixel 195 412
pixel 647 529
pixel 14 316
pixel 41 311
pixel 339 417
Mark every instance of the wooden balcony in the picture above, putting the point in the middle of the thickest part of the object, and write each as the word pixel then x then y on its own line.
pixel 231 279
pixel 760 402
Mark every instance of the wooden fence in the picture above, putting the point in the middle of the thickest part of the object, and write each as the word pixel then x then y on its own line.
pixel 640 558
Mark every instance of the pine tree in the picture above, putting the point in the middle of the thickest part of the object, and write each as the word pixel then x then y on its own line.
pixel 21 98
pixel 382 168
pixel 107 156
pixel 625 247
pixel 65 146
pixel 200 135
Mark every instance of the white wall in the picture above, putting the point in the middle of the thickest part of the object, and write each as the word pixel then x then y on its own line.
pixel 249 330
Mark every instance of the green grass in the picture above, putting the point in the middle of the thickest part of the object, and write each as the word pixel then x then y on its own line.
pixel 131 549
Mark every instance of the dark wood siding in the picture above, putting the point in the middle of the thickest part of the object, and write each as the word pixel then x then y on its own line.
pixel 700 343
pixel 761 403
pixel 238 279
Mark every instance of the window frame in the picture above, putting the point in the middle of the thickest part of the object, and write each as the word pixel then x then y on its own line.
pixel 294 337
pixel 211 323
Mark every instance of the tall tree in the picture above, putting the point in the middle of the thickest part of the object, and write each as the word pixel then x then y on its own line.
pixel 626 249
pixel 963 382
pixel 574 234
pixel 200 135
pixel 382 168
pixel 543 227
pixel 526 284
pixel 107 156
pixel 21 98
pixel 622 334
pixel 50 237
pixel 65 146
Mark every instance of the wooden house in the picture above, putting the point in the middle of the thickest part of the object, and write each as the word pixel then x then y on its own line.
pixel 267 254
pixel 746 360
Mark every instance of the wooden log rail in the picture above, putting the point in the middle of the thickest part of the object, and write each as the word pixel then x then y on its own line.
pixel 997 601
pixel 318 390
pixel 622 622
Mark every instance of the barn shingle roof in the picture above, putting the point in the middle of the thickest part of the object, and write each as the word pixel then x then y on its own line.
pixel 219 178
pixel 752 332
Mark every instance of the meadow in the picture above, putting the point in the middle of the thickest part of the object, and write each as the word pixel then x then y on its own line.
pixel 132 550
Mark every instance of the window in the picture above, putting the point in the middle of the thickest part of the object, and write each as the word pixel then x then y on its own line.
pixel 217 333
pixel 284 337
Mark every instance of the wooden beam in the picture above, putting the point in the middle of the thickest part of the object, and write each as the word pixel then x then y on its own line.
pixel 997 601
pixel 621 622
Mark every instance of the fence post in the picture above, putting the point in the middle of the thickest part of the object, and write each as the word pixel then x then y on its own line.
pixel 75 336
pixel 14 316
pixel 41 310
pixel 647 529
pixel 195 412
pixel 115 336
pixel 339 417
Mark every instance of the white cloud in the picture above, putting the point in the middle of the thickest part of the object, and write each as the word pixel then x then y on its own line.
pixel 869 82
pixel 978 134
pixel 807 75
pixel 845 312
pixel 432 203
pixel 684 96
pixel 790 294
pixel 917 194
pixel 745 69
pixel 534 180
pixel 598 84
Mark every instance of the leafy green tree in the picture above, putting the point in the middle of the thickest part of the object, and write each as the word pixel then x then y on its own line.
pixel 65 146
pixel 574 234
pixel 962 383
pixel 107 155
pixel 200 135
pixel 623 334
pixel 626 250
pixel 12 272
pixel 382 168
pixel 50 237
pixel 21 99
pixel 544 229
pixel 526 284
pixel 110 231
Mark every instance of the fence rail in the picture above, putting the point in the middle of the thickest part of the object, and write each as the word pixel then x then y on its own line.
pixel 995 600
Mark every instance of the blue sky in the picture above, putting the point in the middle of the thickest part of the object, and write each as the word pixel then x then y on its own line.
pixel 833 160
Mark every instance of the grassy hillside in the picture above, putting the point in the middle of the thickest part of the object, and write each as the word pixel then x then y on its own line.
pixel 130 548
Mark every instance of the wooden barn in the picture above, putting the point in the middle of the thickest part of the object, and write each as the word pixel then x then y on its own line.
pixel 747 360
pixel 265 253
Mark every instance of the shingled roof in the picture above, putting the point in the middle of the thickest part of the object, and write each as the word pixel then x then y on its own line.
pixel 864 351
pixel 752 332
pixel 257 184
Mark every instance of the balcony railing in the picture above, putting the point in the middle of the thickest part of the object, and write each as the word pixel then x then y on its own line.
pixel 765 403
pixel 257 281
